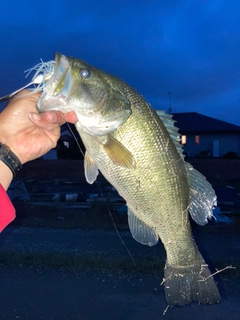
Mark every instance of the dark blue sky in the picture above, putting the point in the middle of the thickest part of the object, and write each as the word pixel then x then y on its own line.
pixel 190 48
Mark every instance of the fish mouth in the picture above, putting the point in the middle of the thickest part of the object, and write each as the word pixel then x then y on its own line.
pixel 59 87
pixel 61 82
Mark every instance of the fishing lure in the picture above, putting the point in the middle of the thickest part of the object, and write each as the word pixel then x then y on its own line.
pixel 44 71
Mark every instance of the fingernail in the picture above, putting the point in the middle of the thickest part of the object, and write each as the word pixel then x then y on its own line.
pixel 34 116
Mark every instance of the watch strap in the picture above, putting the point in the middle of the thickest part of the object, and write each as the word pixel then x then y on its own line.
pixel 10 159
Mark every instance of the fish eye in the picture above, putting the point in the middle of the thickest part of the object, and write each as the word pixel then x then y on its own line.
pixel 85 73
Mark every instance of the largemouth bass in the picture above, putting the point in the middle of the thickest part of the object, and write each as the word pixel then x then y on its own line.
pixel 138 152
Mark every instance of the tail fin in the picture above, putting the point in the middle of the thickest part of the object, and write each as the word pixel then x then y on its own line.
pixel 192 283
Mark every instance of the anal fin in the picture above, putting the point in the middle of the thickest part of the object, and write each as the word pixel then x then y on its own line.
pixel 140 231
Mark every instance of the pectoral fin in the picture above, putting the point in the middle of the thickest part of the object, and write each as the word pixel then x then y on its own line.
pixel 120 155
pixel 90 168
pixel 140 231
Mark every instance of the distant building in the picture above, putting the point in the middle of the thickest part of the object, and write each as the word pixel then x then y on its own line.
pixel 69 145
pixel 203 136
pixel 65 144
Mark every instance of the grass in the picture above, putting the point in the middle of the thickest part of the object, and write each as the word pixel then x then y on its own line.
pixel 75 263
pixel 62 216
pixel 67 217
pixel 80 263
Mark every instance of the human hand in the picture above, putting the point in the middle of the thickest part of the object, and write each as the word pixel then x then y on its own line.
pixel 28 133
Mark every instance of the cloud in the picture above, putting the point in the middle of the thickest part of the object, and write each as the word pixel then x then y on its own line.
pixel 190 48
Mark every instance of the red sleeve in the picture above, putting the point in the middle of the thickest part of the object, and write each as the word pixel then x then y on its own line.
pixel 7 210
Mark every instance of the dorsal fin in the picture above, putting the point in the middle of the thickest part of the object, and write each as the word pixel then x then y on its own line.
pixel 169 124
pixel 202 196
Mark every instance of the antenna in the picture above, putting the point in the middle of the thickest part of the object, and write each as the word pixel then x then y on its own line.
pixel 169 103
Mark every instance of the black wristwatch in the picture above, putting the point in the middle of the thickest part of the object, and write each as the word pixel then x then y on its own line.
pixel 10 159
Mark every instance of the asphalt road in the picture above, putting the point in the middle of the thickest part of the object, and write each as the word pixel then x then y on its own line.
pixel 43 293
pixel 57 295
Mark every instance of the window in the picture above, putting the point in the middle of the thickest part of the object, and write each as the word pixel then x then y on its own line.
pixel 184 139
pixel 197 139
pixel 66 144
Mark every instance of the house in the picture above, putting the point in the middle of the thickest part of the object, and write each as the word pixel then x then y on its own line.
pixel 206 136
pixel 70 145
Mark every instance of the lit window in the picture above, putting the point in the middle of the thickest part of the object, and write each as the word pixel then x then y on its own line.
pixel 197 139
pixel 184 139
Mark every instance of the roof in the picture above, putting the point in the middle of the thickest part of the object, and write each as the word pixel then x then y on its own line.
pixel 66 137
pixel 193 122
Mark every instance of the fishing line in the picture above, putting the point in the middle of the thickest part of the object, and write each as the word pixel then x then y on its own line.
pixel 114 224
pixel 105 202
pixel 44 72
pixel 75 138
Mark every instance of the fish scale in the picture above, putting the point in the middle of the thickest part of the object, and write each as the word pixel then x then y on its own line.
pixel 138 152
pixel 155 205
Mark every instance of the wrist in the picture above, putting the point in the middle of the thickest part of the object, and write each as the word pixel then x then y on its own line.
pixel 6 175
pixel 9 159
pixel 13 143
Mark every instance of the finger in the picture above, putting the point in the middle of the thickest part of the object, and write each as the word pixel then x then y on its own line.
pixel 71 117
pixel 54 117
pixel 60 118
pixel 40 121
